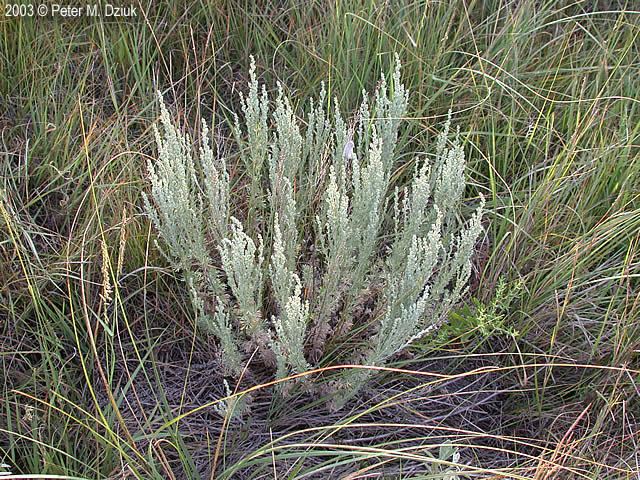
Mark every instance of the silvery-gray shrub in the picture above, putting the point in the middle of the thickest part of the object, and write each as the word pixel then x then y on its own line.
pixel 321 227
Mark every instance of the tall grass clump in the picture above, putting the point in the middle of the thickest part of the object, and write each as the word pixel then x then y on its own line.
pixel 275 273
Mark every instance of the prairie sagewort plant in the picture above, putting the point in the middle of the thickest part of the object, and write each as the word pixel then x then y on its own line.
pixel 280 266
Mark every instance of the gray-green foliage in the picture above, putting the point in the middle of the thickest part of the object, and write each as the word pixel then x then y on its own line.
pixel 290 326
pixel 242 262
pixel 253 142
pixel 177 210
pixel 321 206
